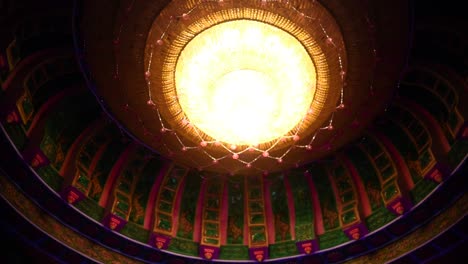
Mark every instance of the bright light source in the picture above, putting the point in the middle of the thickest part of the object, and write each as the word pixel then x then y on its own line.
pixel 245 82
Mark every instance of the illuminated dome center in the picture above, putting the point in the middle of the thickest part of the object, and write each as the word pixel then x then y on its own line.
pixel 245 82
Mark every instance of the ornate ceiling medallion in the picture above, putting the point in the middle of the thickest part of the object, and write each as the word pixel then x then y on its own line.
pixel 244 80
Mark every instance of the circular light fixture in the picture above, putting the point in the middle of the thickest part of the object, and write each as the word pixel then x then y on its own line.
pixel 245 82
pixel 242 84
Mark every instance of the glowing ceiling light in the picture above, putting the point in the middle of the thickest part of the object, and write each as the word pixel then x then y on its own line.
pixel 245 82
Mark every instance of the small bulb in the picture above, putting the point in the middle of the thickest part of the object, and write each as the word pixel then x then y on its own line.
pixel 150 102
pixel 160 42
pixel 248 165
pixel 215 161
pixel 309 147
pixel 184 149
pixel 280 160
pixel 185 16
pixel 235 156
pixel 330 127
pixel 265 154
pixel 203 143
pixel 296 138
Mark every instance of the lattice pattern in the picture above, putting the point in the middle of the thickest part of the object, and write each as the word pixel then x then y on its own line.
pixel 257 229
pixel 164 211
pixel 212 206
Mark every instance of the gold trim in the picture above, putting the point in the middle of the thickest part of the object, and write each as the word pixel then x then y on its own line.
pixel 309 32
pixel 172 231
pixel 260 200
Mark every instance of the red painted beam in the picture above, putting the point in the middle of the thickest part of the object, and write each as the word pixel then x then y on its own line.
pixel 114 173
pixel 361 190
pixel 404 175
pixel 153 196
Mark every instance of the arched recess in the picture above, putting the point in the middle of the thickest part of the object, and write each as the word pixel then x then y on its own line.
pixel 426 86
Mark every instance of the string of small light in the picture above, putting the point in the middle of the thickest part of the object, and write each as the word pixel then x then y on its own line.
pixel 231 149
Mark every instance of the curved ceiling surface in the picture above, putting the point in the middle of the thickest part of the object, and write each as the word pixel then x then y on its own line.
pixel 135 75
pixel 95 112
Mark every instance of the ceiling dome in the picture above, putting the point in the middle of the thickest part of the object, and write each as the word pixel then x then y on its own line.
pixel 239 131
pixel 137 76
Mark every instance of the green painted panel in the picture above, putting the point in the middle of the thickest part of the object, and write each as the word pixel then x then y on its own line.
pixel 234 252
pixel 143 187
pixel 65 124
pixel 305 232
pixel 211 241
pixel 378 218
pixel 390 190
pixel 128 203
pixel 283 249
pixel 212 215
pixel 332 238
pixel 235 231
pixel 16 134
pixel 348 217
pixel 122 206
pixel 302 205
pixel 425 158
pixel 136 232
pixel 279 204
pixel 403 144
pixel 422 189
pixel 326 197
pixel 165 207
pixel 82 181
pixel 91 209
pixel 387 172
pixel 184 246
pixel 368 175
pixel 51 176
pixel 258 234
pixel 103 168
pixel 188 205
pixel 256 207
pixel 164 222
pixel 257 218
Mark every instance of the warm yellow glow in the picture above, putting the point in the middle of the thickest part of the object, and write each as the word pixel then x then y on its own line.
pixel 245 82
